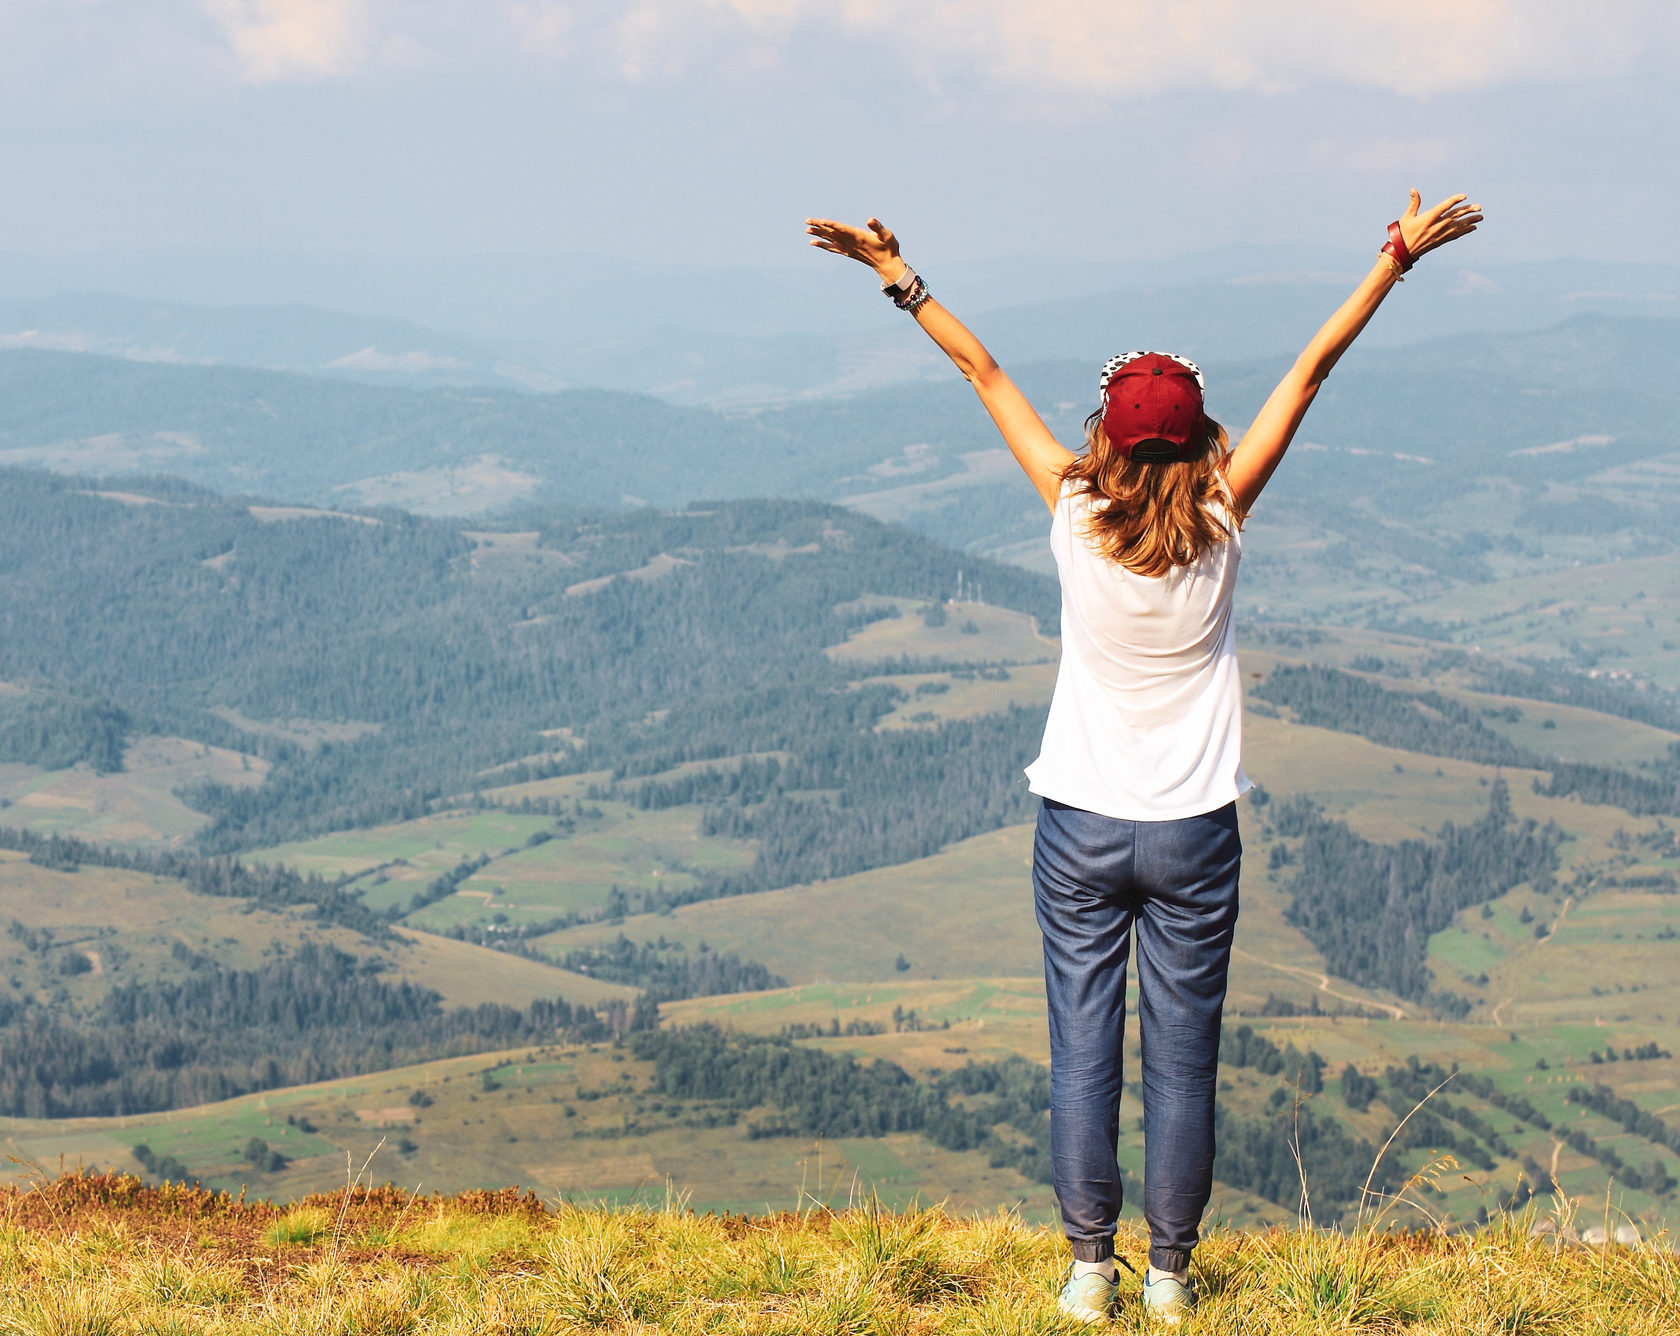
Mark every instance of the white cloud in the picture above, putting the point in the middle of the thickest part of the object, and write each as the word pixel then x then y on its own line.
pixel 541 27
pixel 1108 49
pixel 653 41
pixel 1140 48
pixel 276 40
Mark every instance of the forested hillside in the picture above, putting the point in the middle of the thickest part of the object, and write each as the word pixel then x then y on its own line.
pixel 608 647
pixel 145 614
pixel 1372 908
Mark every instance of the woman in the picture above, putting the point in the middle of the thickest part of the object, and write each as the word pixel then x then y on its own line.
pixel 1141 764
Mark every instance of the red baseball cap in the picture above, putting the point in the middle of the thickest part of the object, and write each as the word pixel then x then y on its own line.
pixel 1152 405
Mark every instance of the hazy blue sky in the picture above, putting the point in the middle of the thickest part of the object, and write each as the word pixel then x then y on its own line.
pixel 706 129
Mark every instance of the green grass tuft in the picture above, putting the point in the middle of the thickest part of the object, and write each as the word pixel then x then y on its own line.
pixel 301 1226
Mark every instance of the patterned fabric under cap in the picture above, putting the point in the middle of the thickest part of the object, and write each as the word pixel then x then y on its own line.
pixel 1113 365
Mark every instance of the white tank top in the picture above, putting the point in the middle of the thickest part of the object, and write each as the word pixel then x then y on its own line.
pixel 1146 722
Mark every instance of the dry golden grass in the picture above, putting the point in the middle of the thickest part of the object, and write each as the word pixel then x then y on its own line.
pixel 103 1256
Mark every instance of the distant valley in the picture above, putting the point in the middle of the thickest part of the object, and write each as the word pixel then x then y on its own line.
pixel 757 763
pixel 1423 468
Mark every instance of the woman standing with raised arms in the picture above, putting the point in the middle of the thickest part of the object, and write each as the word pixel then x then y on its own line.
pixel 1141 764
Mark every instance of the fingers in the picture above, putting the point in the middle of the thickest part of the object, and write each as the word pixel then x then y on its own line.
pixel 1454 217
pixel 828 227
pixel 1456 214
pixel 837 237
pixel 1457 218
pixel 1441 209
pixel 863 244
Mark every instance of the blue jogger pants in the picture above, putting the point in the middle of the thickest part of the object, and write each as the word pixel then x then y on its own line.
pixel 1096 881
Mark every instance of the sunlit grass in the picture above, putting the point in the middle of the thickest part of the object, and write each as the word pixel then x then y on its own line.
pixel 102 1257
pixel 297 1226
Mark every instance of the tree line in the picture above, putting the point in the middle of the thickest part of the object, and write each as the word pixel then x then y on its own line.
pixel 1371 908
pixel 54 731
pixel 1000 1108
pixel 666 973
pixel 1601 1099
pixel 1655 791
pixel 1640 701
pixel 269 887
pixel 1435 725
pixel 1424 721
pixel 314 1015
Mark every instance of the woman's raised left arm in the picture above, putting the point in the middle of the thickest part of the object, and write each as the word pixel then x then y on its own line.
pixel 1262 447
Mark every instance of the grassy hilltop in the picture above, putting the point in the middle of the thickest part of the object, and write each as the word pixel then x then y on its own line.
pixel 106 1255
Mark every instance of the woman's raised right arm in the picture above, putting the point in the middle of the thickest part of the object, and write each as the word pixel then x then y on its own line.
pixel 1041 456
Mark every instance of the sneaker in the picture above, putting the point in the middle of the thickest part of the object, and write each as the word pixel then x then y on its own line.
pixel 1089 1298
pixel 1167 1300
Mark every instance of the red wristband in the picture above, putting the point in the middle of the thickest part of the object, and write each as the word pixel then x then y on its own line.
pixel 1396 246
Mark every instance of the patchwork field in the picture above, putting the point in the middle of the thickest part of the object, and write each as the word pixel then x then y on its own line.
pixel 136 805
pixel 970 632
pixel 1620 616
pixel 71 936
pixel 932 963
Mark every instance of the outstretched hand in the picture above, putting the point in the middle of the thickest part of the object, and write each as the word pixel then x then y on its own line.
pixel 873 245
pixel 1449 220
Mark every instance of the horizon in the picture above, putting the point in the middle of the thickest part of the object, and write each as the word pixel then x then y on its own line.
pixel 357 126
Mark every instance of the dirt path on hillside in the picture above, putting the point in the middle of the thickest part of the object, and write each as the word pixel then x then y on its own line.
pixel 1321 981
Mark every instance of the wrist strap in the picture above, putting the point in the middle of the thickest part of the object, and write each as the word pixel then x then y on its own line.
pixel 902 285
pixel 1396 246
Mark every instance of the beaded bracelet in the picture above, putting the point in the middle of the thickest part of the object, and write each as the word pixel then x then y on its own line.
pixel 915 297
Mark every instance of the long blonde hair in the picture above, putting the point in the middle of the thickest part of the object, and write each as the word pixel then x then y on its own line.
pixel 1153 517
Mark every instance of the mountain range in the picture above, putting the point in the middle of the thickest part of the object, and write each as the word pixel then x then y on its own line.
pixel 750 336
